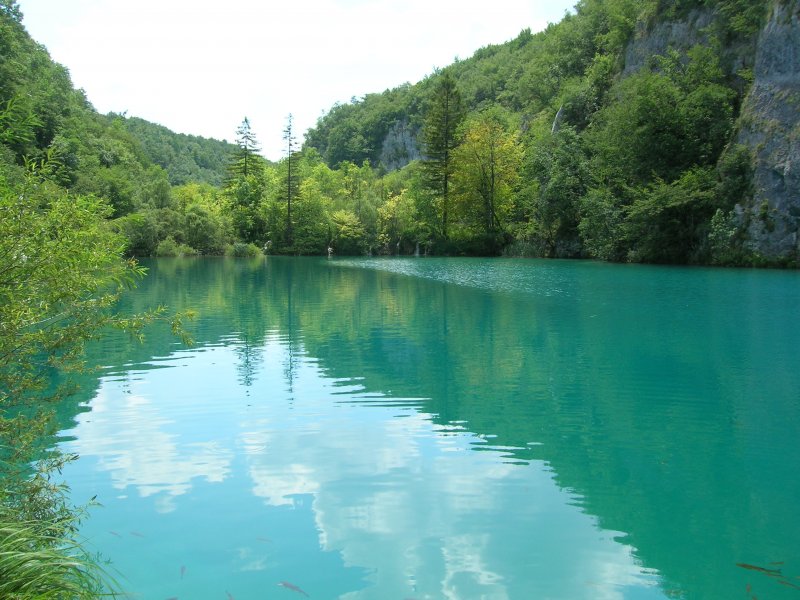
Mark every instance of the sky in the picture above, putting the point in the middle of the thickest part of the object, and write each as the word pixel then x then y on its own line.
pixel 201 66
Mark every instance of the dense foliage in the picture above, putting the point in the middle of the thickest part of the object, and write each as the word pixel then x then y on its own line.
pixel 553 144
pixel 162 188
pixel 631 161
pixel 185 158
pixel 559 143
pixel 60 272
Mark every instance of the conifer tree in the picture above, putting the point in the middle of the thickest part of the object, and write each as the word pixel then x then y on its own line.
pixel 247 149
pixel 245 186
pixel 291 175
pixel 439 138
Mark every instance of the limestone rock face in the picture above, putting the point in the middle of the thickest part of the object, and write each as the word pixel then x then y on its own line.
pixel 665 35
pixel 399 146
pixel 769 123
pixel 770 127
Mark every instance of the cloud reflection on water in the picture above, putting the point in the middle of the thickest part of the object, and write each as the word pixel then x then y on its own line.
pixel 398 496
pixel 393 492
pixel 127 434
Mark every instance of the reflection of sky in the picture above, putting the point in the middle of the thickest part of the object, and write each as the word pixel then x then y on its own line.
pixel 142 454
pixel 396 497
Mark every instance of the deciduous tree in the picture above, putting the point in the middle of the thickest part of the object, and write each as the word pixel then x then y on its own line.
pixel 485 172
pixel 61 272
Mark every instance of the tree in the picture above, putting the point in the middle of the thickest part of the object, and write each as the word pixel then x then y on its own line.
pixel 202 230
pixel 11 8
pixel 247 148
pixel 557 176
pixel 439 138
pixel 485 171
pixel 669 223
pixel 348 233
pixel 61 272
pixel 361 195
pixel 245 199
pixel 397 222
pixel 245 187
pixel 312 230
pixel 291 175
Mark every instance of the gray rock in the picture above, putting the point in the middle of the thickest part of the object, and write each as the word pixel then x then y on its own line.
pixel 666 35
pixel 769 123
pixel 399 146
pixel 770 127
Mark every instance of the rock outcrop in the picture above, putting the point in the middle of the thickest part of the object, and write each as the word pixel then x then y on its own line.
pixel 770 126
pixel 399 146
pixel 769 121
pixel 664 36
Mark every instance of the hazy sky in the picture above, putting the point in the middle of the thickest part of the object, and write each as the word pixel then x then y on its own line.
pixel 200 66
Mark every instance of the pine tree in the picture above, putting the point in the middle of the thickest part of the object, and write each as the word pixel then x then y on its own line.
pixel 291 175
pixel 245 186
pixel 439 138
pixel 247 149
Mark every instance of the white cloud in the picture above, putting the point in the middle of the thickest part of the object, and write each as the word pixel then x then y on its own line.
pixel 200 66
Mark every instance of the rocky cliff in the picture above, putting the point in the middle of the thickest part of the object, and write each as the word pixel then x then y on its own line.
pixel 746 122
pixel 769 120
pixel 399 146
pixel 657 39
pixel 770 126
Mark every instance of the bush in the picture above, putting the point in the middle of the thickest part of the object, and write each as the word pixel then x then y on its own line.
pixel 141 231
pixel 203 230
pixel 243 250
pixel 668 223
pixel 169 247
pixel 724 239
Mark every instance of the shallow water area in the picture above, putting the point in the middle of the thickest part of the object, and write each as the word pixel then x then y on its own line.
pixel 448 428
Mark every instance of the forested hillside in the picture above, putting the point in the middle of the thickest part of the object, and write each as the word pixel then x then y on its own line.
pixel 633 130
pixel 45 120
pixel 159 186
pixel 572 63
pixel 185 158
pixel 613 134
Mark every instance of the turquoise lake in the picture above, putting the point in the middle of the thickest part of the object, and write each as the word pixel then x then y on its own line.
pixel 448 428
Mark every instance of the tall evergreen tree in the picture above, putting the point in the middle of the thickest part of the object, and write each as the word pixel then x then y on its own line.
pixel 439 138
pixel 291 174
pixel 245 187
pixel 247 149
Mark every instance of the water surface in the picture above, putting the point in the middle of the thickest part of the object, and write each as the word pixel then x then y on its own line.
pixel 449 428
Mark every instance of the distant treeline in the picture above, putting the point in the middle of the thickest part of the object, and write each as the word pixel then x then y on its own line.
pixel 547 145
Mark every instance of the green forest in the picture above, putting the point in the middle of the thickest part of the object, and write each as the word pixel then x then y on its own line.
pixel 548 145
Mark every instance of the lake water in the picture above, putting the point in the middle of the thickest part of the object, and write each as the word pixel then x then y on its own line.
pixel 448 428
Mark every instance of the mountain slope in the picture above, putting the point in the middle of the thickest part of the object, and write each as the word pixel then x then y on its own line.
pixel 185 158
pixel 685 114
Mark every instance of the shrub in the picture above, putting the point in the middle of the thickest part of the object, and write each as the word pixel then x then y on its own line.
pixel 169 247
pixel 243 250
